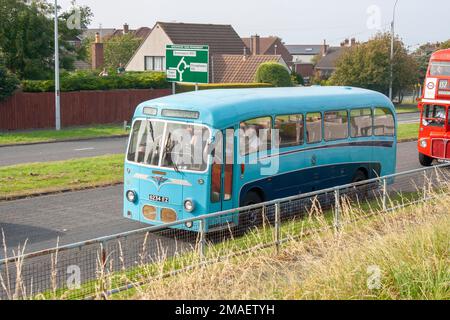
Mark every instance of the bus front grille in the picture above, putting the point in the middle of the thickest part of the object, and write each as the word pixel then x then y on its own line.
pixel 440 148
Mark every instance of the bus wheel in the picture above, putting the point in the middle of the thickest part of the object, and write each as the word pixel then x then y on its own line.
pixel 425 160
pixel 250 218
pixel 363 190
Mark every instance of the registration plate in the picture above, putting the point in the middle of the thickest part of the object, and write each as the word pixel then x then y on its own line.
pixel 158 198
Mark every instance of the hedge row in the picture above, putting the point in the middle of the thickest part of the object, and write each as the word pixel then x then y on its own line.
pixel 191 87
pixel 90 81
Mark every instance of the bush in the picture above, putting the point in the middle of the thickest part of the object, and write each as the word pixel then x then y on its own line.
pixel 8 83
pixel 297 79
pixel 275 74
pixel 89 80
pixel 190 87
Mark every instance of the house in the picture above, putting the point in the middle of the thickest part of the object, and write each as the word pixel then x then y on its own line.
pixel 326 65
pixel 141 32
pixel 268 46
pixel 240 68
pixel 304 58
pixel 221 39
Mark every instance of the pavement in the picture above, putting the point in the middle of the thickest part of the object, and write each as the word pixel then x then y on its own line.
pixel 89 214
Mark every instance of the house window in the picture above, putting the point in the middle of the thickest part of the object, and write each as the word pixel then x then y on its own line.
pixel 155 63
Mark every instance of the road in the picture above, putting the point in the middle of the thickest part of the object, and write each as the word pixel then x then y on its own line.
pixel 61 151
pixel 405 118
pixel 85 215
pixel 90 148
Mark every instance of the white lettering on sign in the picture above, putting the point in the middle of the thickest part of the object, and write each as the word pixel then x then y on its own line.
pixel 430 88
pixel 180 53
pixel 199 67
pixel 172 74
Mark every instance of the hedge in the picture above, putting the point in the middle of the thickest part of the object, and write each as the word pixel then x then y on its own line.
pixel 191 87
pixel 273 73
pixel 91 81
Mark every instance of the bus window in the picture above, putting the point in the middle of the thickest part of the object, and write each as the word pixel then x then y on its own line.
pixel 384 122
pixel 216 171
pixel 229 164
pixel 314 127
pixel 291 129
pixel 146 140
pixel 336 125
pixel 434 116
pixel 441 68
pixel 361 123
pixel 255 135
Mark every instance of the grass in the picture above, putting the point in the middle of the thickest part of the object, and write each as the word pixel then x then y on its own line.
pixel 408 131
pixel 406 108
pixel 404 255
pixel 38 178
pixel 37 136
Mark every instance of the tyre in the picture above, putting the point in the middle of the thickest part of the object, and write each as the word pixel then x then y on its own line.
pixel 363 190
pixel 425 160
pixel 359 176
pixel 249 219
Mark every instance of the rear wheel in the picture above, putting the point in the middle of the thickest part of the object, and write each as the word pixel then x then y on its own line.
pixel 363 190
pixel 250 218
pixel 425 160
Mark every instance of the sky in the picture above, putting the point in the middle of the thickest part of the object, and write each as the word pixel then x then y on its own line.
pixel 296 22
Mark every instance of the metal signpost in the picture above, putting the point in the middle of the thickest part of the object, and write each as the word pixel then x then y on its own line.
pixel 187 64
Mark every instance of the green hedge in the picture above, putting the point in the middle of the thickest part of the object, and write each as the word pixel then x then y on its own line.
pixel 8 83
pixel 91 81
pixel 190 87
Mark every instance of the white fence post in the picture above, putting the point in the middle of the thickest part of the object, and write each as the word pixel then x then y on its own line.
pixel 337 200
pixel 384 194
pixel 277 227
pixel 202 241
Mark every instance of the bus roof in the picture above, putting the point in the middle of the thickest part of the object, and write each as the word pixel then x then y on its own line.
pixel 223 108
pixel 441 55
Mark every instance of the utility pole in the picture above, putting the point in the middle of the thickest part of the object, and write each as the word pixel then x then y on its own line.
pixel 391 77
pixel 57 85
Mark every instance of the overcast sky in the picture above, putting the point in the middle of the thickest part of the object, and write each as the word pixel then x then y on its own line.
pixel 296 22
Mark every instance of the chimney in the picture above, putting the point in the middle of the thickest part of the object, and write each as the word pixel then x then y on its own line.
pixel 98 58
pixel 347 42
pixel 244 57
pixel 324 48
pixel 126 28
pixel 353 42
pixel 255 40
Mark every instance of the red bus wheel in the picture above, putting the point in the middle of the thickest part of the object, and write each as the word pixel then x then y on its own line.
pixel 425 160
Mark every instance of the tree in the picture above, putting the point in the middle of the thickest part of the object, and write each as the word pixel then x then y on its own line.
pixel 368 66
pixel 8 83
pixel 445 45
pixel 273 73
pixel 120 49
pixel 422 56
pixel 26 37
pixel 297 79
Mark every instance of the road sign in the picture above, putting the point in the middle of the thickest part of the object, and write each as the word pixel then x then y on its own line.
pixel 187 63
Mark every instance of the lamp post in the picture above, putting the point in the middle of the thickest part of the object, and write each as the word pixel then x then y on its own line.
pixel 57 84
pixel 391 77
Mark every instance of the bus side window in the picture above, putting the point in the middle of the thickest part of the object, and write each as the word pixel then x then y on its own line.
pixel 216 170
pixel 291 129
pixel 336 125
pixel 361 123
pixel 384 124
pixel 314 127
pixel 255 135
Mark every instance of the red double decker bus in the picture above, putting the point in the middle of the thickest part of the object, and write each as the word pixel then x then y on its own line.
pixel 434 135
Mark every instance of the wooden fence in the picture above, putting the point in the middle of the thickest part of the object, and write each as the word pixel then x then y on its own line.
pixel 25 111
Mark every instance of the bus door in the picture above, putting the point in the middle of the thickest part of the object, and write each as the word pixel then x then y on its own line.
pixel 222 172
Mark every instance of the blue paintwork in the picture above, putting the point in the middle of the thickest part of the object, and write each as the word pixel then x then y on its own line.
pixel 301 169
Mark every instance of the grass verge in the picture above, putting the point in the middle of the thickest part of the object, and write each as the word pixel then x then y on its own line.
pixel 407 132
pixel 43 178
pixel 39 136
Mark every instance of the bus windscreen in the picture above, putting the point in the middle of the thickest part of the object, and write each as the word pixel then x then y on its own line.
pixel 440 68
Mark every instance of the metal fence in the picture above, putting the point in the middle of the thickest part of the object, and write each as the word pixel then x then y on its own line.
pixel 104 266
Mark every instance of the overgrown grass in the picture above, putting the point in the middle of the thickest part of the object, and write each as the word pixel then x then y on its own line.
pixel 35 136
pixel 409 248
pixel 38 178
pixel 408 131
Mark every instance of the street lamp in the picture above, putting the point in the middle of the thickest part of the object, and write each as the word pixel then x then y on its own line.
pixel 57 85
pixel 391 78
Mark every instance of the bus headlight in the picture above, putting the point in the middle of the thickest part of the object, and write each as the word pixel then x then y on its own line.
pixel 423 143
pixel 131 196
pixel 189 224
pixel 189 205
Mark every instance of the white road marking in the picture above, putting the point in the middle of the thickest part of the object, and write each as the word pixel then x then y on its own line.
pixel 84 149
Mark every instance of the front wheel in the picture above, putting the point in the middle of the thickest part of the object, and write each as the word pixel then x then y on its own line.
pixel 425 160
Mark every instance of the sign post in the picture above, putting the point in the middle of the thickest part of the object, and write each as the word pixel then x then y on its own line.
pixel 187 64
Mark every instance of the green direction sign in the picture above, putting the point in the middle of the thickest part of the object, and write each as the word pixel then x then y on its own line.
pixel 187 63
